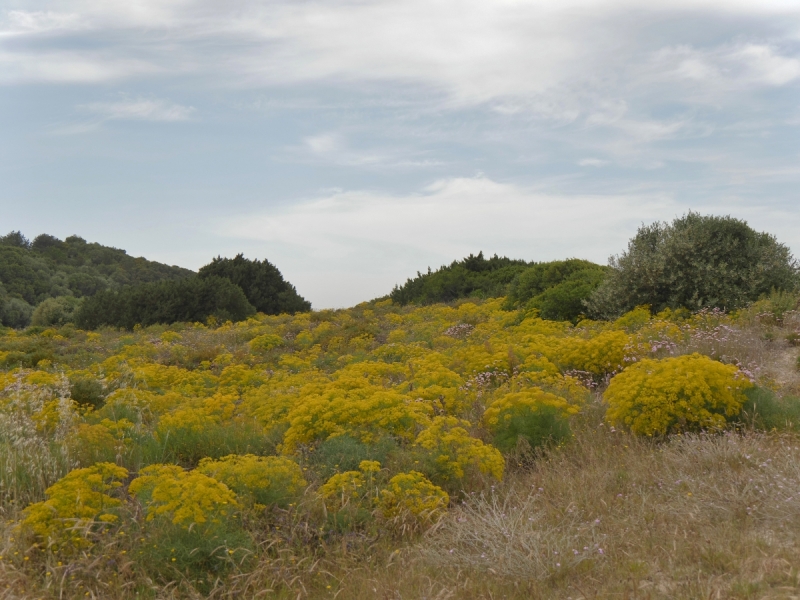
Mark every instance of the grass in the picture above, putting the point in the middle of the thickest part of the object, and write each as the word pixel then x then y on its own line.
pixel 608 515
pixel 603 514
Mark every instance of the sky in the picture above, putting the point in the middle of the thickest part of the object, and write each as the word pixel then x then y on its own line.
pixel 354 143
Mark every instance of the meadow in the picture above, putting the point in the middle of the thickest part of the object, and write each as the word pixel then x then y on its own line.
pixel 448 451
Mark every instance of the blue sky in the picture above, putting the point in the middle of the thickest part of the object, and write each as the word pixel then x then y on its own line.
pixel 353 143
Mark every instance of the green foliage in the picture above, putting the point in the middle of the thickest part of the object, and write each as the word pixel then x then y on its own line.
pixel 87 392
pixel 345 453
pixel 538 417
pixel 474 276
pixel 695 262
pixel 265 480
pixel 193 299
pixel 50 267
pixel 675 394
pixel 765 410
pixel 55 311
pixel 262 283
pixel 558 288
pixel 15 312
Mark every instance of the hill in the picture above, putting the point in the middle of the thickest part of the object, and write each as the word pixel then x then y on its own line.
pixel 31 272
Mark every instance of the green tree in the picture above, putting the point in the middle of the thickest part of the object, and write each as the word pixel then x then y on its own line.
pixel 557 288
pixel 262 283
pixel 474 276
pixel 185 300
pixel 695 262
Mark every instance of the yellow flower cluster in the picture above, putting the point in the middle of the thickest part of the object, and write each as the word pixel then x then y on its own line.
pixel 76 502
pixel 454 450
pixel 412 493
pixel 258 479
pixel 673 394
pixel 184 498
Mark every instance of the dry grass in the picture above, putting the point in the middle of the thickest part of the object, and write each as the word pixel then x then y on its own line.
pixel 608 515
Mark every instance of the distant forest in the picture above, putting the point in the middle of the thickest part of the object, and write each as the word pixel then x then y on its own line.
pixel 52 282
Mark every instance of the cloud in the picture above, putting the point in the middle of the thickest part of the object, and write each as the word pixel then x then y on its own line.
pixel 592 162
pixel 140 110
pixel 349 246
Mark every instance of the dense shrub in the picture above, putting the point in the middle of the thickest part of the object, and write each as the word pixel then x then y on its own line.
pixel 558 288
pixel 258 479
pixel 15 312
pixel 262 283
pixel 656 397
pixel 76 505
pixel 538 417
pixel 192 299
pixel 474 276
pixel 695 262
pixel 55 311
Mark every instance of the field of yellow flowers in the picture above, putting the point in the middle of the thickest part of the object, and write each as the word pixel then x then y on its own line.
pixel 449 451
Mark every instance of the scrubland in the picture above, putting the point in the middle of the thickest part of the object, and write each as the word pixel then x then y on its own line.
pixel 448 451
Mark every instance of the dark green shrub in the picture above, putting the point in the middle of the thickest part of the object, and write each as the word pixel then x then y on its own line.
pixel 695 262
pixel 262 283
pixel 55 311
pixel 558 288
pixel 15 313
pixel 474 276
pixel 87 392
pixel 187 300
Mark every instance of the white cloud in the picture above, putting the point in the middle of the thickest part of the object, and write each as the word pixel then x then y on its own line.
pixel 592 162
pixel 140 110
pixel 350 246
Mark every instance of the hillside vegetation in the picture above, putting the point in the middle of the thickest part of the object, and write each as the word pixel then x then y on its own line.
pixel 473 449
pixel 296 453
pixel 32 272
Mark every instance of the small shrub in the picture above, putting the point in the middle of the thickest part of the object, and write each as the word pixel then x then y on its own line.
pixel 410 500
pixel 656 397
pixel 77 504
pixel 192 523
pixel 350 496
pixel 537 416
pixel 449 452
pixel 264 480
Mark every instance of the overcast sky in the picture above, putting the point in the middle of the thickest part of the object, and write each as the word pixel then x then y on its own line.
pixel 353 143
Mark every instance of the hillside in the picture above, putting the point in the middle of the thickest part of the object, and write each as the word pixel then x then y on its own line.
pixel 351 453
pixel 31 272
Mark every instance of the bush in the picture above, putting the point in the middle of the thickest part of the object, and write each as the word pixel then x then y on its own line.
pixel 264 480
pixel 538 417
pixel 262 283
pixel 55 311
pixel 558 288
pixel 410 501
pixel 77 504
pixel 656 397
pixel 194 524
pixel 474 276
pixel 192 299
pixel 15 313
pixel 696 262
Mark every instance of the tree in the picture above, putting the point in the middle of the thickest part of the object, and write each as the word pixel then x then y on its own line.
pixel 695 262
pixel 262 283
pixel 558 288
pixel 186 300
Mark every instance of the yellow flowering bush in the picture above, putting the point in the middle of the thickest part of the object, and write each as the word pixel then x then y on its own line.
pixel 452 451
pixel 413 499
pixel 600 355
pixel 351 488
pixel 687 392
pixel 259 479
pixel 537 416
pixel 75 502
pixel 265 343
pixel 183 498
